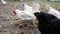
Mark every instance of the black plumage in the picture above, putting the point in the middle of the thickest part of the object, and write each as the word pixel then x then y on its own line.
pixel 48 24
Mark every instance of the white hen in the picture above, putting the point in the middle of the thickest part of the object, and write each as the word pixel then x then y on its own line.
pixel 22 15
pixel 26 14
pixel 3 2
pixel 53 11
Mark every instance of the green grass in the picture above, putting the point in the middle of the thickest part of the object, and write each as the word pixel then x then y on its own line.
pixel 55 5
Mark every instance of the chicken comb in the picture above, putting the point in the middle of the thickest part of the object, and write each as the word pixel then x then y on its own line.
pixel 14 11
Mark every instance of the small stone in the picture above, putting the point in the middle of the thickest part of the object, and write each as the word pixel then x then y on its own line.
pixel 8 18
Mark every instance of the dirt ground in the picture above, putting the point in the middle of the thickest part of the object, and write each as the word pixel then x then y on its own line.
pixel 10 24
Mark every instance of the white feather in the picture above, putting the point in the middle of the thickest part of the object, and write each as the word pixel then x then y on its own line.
pixel 53 12
pixel 34 8
pixel 3 2
pixel 27 7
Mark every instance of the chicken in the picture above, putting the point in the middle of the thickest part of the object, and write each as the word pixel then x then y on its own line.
pixel 48 23
pixel 3 2
pixel 53 11
pixel 26 14
pixel 22 15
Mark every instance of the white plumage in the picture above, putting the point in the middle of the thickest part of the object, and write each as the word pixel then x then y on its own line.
pixel 53 11
pixel 27 7
pixel 34 8
pixel 24 15
pixel 3 2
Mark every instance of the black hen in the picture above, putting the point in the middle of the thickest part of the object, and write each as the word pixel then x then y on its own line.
pixel 48 24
